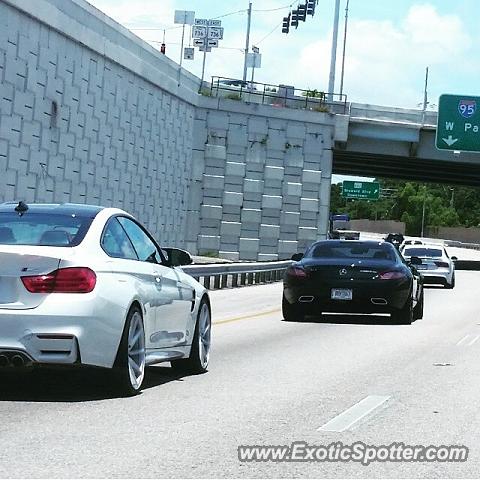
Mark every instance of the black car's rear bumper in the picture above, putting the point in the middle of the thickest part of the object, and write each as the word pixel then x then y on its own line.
pixel 369 297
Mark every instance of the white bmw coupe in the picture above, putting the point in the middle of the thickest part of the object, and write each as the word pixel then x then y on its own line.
pixel 86 285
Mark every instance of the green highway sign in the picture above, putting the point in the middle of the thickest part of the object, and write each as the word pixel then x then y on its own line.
pixel 365 190
pixel 458 124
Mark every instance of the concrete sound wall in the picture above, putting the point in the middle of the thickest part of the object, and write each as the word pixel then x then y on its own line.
pixel 378 226
pixel 91 114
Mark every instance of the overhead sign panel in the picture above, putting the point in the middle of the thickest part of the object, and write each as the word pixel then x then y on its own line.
pixel 364 190
pixel 458 125
pixel 184 17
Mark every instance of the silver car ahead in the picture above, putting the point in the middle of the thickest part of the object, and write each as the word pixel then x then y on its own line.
pixel 437 266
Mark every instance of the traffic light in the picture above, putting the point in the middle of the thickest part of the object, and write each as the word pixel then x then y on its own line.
pixel 294 19
pixel 302 12
pixel 286 24
pixel 162 48
pixel 311 7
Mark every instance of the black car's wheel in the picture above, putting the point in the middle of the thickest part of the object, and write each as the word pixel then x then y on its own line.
pixel 451 285
pixel 418 309
pixel 404 316
pixel 292 312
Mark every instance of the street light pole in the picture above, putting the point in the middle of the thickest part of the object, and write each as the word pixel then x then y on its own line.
pixel 423 210
pixel 247 41
pixel 344 47
pixel 333 58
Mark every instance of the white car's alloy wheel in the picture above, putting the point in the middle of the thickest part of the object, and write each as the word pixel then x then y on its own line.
pixel 204 335
pixel 136 351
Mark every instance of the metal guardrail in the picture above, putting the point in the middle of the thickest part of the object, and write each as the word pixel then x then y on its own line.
pixel 467 265
pixel 234 275
pixel 278 95
pixel 458 244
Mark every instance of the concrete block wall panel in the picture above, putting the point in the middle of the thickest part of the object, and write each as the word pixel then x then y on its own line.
pixel 91 114
pixel 277 177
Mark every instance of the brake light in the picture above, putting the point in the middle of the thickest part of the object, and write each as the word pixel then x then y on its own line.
pixel 391 275
pixel 441 264
pixel 297 272
pixel 63 280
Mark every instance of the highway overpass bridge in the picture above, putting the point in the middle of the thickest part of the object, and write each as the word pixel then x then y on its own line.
pixel 398 143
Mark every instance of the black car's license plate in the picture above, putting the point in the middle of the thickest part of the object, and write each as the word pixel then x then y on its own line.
pixel 341 294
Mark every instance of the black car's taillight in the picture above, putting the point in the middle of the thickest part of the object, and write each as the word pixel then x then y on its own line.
pixel 296 272
pixel 391 275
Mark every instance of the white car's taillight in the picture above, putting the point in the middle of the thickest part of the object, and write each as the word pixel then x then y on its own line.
pixel 63 280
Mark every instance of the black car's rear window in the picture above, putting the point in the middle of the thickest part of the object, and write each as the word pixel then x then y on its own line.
pixel 43 229
pixel 351 251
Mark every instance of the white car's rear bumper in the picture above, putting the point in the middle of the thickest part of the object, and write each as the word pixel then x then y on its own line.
pixel 438 276
pixel 87 335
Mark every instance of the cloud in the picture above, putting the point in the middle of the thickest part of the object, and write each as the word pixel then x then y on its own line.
pixel 385 61
pixel 142 13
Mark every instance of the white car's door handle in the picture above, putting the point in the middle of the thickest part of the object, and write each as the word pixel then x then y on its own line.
pixel 158 281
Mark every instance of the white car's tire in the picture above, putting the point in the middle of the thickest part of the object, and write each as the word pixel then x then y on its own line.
pixel 199 357
pixel 129 367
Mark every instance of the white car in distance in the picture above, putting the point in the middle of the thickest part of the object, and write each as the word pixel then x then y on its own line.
pixel 86 285
pixel 437 266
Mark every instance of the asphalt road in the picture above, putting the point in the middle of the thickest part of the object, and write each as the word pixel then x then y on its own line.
pixel 270 382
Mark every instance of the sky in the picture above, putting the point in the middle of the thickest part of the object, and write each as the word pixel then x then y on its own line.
pixel 389 44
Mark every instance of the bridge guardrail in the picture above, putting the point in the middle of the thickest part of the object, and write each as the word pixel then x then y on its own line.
pixel 278 95
pixel 237 274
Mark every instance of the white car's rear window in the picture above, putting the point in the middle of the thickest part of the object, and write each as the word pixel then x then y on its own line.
pixel 423 252
pixel 47 229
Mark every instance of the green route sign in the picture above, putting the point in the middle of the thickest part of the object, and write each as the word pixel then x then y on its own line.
pixel 458 125
pixel 365 190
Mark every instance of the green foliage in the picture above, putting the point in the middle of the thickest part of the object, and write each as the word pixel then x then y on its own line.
pixel 233 96
pixel 445 206
pixel 313 94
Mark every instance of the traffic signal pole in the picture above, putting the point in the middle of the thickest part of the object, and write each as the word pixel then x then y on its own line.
pixel 333 58
pixel 247 41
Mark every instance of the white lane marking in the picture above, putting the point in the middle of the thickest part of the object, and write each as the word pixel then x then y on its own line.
pixel 463 339
pixel 354 414
pixel 474 340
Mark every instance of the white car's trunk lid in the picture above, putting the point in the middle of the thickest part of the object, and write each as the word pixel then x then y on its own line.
pixel 16 263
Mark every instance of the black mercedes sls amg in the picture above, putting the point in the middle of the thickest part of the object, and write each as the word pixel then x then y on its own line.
pixel 353 277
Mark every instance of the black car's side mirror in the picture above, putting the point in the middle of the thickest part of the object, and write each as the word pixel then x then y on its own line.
pixel 415 261
pixel 178 257
pixel 296 257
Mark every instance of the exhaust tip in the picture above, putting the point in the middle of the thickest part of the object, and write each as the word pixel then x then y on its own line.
pixel 18 361
pixel 3 361
pixel 306 299
pixel 379 301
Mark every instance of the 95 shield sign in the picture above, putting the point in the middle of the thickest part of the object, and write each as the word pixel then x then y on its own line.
pixel 467 108
pixel 458 126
